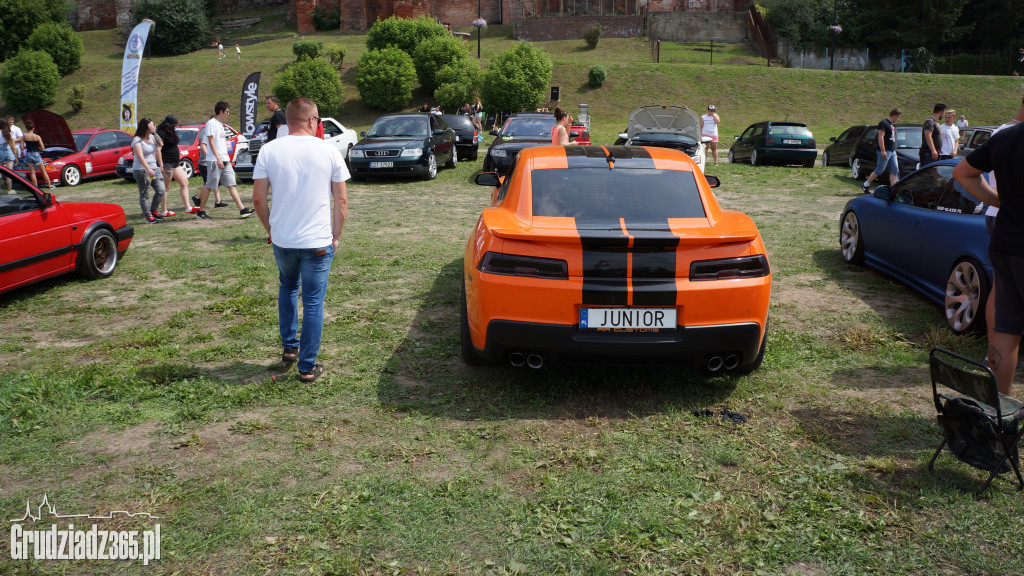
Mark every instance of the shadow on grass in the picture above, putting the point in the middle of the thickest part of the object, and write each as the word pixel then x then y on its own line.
pixel 425 374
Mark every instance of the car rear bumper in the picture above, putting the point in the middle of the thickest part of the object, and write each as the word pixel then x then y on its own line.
pixel 691 346
pixel 400 168
pixel 789 154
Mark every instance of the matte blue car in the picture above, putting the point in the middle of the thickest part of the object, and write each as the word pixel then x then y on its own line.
pixel 929 233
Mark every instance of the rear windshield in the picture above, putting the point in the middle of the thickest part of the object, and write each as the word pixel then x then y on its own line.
pixel 457 121
pixel 784 130
pixel 528 127
pixel 645 193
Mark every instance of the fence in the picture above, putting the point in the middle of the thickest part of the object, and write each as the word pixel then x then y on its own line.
pixel 708 53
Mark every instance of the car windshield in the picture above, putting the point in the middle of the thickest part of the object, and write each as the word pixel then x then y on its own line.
pixel 399 126
pixel 528 127
pixel 908 137
pixel 186 136
pixel 638 195
pixel 81 140
pixel 788 130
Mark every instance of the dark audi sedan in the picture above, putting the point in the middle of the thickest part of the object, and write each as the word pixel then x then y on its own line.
pixel 465 135
pixel 775 142
pixel 404 145
pixel 520 131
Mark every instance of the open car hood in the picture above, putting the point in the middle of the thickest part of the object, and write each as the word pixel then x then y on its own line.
pixel 664 120
pixel 52 128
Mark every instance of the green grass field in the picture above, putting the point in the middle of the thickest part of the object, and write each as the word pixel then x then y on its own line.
pixel 159 389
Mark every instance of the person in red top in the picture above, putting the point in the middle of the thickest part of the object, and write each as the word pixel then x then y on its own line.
pixel 560 131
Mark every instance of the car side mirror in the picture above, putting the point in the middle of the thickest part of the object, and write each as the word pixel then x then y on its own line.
pixel 624 135
pixel 574 134
pixel 488 179
pixel 93 149
pixel 362 134
pixel 883 192
pixel 735 137
pixel 832 139
pixel 437 131
pixel 713 181
pixel 493 132
pixel 47 199
pixel 705 139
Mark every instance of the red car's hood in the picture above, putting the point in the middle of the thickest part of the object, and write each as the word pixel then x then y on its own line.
pixel 52 128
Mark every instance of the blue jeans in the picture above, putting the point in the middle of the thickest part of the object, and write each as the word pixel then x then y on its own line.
pixel 308 268
pixel 887 164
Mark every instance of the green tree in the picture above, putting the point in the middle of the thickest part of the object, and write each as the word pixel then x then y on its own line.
pixel 403 33
pixel 385 78
pixel 180 25
pixel 313 78
pixel 433 54
pixel 457 83
pixel 516 78
pixel 29 80
pixel 19 18
pixel 307 49
pixel 61 42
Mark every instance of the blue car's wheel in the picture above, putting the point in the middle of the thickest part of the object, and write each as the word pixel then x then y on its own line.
pixel 850 241
pixel 966 291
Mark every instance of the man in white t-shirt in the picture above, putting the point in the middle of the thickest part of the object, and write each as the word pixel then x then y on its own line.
pixel 202 173
pixel 949 134
pixel 218 166
pixel 306 173
pixel 18 136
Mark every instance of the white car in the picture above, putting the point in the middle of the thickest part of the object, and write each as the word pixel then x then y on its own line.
pixel 664 126
pixel 334 132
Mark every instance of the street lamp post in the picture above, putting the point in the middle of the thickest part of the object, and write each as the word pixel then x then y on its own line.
pixel 832 54
pixel 478 16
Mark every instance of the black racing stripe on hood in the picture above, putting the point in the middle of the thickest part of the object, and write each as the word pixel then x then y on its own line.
pixel 654 262
pixel 605 261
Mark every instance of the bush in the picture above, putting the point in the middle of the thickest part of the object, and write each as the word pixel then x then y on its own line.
pixel 180 26
pixel 402 33
pixel 313 78
pixel 76 98
pixel 21 17
pixel 592 34
pixel 517 78
pixel 307 49
pixel 335 53
pixel 457 83
pixel 434 53
pixel 29 80
pixel 62 44
pixel 326 19
pixel 385 78
pixel 596 76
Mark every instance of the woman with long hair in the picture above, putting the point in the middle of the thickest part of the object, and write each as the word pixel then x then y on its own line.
pixel 171 156
pixel 560 131
pixel 6 149
pixel 144 168
pixel 34 153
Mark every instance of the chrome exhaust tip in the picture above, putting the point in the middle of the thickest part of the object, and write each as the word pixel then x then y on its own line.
pixel 732 361
pixel 535 361
pixel 516 359
pixel 715 363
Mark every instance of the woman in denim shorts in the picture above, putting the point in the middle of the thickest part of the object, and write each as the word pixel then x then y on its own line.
pixel 33 154
pixel 6 150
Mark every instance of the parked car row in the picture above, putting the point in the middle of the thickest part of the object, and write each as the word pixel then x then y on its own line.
pixel 857 145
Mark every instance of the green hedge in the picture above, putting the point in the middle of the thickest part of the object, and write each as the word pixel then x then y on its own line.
pixel 61 42
pixel 313 78
pixel 517 78
pixel 403 33
pixel 181 25
pixel 385 78
pixel 29 81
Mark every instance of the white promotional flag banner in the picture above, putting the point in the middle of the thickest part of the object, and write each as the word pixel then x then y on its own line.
pixel 130 75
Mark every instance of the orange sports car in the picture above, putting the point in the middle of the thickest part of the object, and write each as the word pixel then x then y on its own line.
pixel 617 255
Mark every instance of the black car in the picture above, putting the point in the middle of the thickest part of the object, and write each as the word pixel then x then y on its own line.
pixel 838 153
pixel 520 131
pixel 972 137
pixel 908 150
pixel 775 142
pixel 404 145
pixel 465 135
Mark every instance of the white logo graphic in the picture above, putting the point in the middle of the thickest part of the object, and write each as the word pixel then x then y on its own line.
pixel 82 544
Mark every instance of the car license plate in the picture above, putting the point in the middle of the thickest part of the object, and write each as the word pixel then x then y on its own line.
pixel 458 138
pixel 628 319
pixel 791 141
pixel 382 164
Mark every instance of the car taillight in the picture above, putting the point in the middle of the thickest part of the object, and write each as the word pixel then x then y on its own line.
pixel 515 265
pixel 811 142
pixel 726 268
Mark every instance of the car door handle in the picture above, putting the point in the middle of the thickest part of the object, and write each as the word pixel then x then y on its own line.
pixel 918 222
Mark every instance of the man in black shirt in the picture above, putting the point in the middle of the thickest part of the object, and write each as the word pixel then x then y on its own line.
pixel 931 138
pixel 1001 154
pixel 885 156
pixel 276 119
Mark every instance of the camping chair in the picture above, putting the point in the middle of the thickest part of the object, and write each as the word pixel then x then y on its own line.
pixel 980 427
pixel 584 115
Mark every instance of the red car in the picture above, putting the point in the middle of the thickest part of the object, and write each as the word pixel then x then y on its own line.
pixel 41 237
pixel 71 156
pixel 188 144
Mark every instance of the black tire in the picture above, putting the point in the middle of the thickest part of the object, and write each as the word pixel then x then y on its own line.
pixel 967 290
pixel 753 157
pixel 453 161
pixel 431 172
pixel 851 242
pixel 469 354
pixel 71 175
pixel 472 157
pixel 809 164
pixel 825 159
pixel 732 157
pixel 97 257
pixel 187 167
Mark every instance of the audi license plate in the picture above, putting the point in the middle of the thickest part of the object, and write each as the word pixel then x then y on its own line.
pixel 790 141
pixel 382 164
pixel 628 319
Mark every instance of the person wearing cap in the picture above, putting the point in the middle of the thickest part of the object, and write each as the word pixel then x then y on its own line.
pixel 709 127
pixel 171 155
